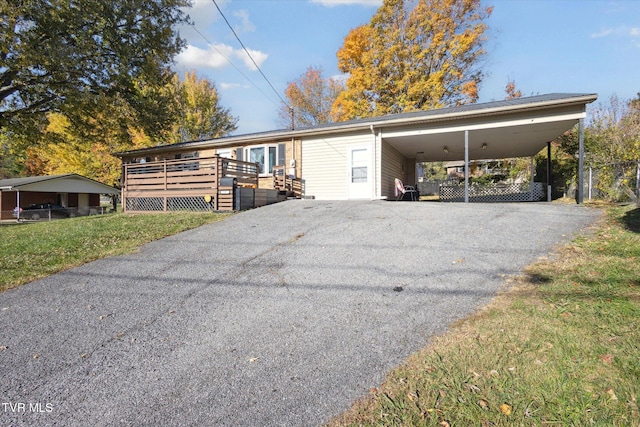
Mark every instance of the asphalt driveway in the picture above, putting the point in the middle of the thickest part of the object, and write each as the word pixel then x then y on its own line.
pixel 279 316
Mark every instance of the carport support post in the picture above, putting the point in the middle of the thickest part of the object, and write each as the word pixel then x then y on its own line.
pixel 549 171
pixel 580 198
pixel 466 166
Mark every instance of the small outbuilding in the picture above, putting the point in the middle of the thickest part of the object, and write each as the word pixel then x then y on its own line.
pixel 70 191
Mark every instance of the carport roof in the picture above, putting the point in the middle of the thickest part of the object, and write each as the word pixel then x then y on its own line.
pixel 509 128
pixel 68 183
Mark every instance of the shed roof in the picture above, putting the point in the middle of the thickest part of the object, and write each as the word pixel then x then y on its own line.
pixel 68 183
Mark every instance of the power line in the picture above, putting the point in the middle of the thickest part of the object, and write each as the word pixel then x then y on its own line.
pixel 232 64
pixel 250 57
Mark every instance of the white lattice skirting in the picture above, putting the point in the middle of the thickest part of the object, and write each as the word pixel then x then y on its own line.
pixel 494 193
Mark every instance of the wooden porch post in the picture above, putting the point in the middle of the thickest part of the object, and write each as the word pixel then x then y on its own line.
pixel 123 190
pixel 164 164
pixel 216 177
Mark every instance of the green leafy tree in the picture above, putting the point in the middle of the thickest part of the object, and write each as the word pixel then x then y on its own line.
pixel 311 96
pixel 613 134
pixel 199 113
pixel 409 59
pixel 10 163
pixel 612 140
pixel 63 147
pixel 57 55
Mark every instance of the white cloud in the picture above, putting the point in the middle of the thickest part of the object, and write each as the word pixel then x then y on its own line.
pixel 246 25
pixel 258 57
pixel 229 86
pixel 218 56
pixel 214 57
pixel 621 32
pixel 203 12
pixel 333 3
pixel 602 33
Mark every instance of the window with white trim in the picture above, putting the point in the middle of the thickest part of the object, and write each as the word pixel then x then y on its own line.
pixel 267 156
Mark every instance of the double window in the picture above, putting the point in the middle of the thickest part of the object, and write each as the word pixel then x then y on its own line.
pixel 266 156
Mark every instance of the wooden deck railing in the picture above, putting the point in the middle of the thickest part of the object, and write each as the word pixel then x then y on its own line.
pixel 281 182
pixel 183 182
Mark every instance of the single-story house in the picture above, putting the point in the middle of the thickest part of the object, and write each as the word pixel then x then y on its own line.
pixel 70 191
pixel 360 159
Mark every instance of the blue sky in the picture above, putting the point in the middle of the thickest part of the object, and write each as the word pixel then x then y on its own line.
pixel 545 46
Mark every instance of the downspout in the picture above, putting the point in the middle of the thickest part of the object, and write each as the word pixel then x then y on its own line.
pixel 18 204
pixel 293 156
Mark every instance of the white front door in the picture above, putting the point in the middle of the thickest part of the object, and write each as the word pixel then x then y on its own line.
pixel 359 173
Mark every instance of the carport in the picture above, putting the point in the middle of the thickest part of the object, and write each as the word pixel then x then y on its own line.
pixel 362 158
pixel 69 190
pixel 497 130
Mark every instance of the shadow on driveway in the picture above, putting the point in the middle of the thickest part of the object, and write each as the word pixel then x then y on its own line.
pixel 281 315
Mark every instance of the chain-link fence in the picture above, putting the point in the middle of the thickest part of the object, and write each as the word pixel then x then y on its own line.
pixel 53 212
pixel 615 182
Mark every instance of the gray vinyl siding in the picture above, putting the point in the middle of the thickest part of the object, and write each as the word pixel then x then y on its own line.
pixel 393 166
pixel 324 164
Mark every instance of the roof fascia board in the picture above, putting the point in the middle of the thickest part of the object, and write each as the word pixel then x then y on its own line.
pixel 228 141
pixel 457 115
pixel 35 182
pixel 366 124
pixel 508 109
pixel 485 125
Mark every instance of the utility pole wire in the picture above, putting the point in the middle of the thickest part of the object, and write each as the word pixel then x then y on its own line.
pixel 251 57
pixel 232 64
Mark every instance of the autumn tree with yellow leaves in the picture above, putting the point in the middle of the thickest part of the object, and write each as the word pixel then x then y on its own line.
pixel 199 112
pixel 87 150
pixel 413 58
pixel 65 147
pixel 311 96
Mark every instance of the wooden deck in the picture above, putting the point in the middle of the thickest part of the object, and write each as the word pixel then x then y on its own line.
pixel 291 187
pixel 200 184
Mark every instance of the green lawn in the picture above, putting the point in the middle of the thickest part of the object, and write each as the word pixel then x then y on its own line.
pixel 32 250
pixel 560 348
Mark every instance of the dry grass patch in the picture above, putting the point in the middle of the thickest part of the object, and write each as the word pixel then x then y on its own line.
pixel 559 348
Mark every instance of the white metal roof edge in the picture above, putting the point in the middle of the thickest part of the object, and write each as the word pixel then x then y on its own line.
pixel 31 180
pixel 417 117
pixel 26 181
